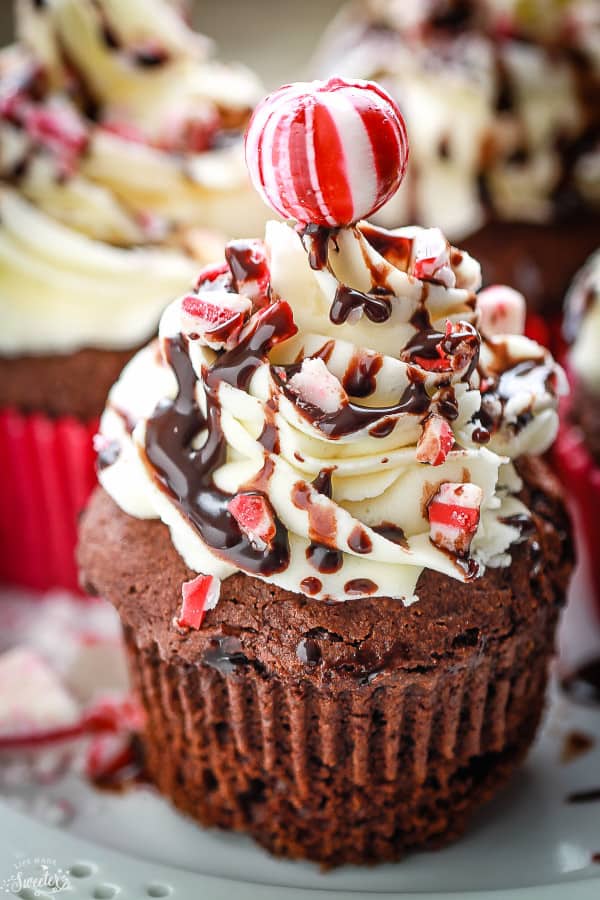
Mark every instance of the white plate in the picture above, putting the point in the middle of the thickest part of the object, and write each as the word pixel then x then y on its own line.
pixel 527 845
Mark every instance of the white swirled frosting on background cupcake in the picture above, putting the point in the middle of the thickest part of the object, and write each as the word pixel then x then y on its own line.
pixel 121 167
pixel 582 325
pixel 501 98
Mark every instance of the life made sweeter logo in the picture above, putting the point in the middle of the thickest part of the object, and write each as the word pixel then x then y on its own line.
pixel 38 875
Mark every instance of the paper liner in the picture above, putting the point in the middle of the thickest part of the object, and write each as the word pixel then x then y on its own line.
pixel 47 472
pixel 581 477
pixel 546 330
pixel 342 775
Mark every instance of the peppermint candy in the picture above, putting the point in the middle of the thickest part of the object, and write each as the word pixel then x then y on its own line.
pixel 327 153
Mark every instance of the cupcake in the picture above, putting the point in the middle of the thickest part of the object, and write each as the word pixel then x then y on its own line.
pixel 337 555
pixel 502 100
pixel 121 171
pixel 578 446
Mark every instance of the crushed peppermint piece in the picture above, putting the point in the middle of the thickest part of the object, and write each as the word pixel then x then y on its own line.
pixel 316 386
pixel 214 317
pixel 454 516
pixel 431 258
pixel 436 441
pixel 254 515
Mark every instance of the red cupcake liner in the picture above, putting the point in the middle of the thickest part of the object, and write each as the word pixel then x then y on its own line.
pixel 47 472
pixel 581 477
pixel 547 331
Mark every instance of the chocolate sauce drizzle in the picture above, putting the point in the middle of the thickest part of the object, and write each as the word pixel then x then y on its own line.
pixel 392 533
pixel 377 309
pixel 186 473
pixel 322 483
pixel 502 387
pixel 243 262
pixel 360 378
pixel 324 559
pixel 347 300
pixel 351 417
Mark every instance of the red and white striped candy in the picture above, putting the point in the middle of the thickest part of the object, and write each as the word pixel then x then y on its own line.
pixel 198 596
pixel 501 310
pixel 327 152
pixel 454 516
pixel 436 441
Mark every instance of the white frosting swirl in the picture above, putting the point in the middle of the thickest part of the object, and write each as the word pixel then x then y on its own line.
pixel 119 132
pixel 379 488
pixel 491 99
pixel 583 324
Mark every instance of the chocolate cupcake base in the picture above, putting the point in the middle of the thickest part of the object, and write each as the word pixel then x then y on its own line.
pixel 348 777
pixel 338 732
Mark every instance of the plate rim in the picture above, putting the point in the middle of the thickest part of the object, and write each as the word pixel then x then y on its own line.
pixel 28 838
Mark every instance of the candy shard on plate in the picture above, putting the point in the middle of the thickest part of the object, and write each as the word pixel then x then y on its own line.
pixel 502 310
pixel 453 515
pixel 33 699
pixel 327 152
pixel 254 515
pixel 436 441
pixel 316 386
pixel 199 595
pixel 431 258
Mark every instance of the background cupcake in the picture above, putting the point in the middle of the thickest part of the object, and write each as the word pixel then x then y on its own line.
pixel 502 100
pixel 578 447
pixel 121 169
pixel 340 629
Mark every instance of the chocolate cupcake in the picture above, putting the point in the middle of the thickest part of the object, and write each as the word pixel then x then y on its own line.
pixel 578 447
pixel 337 555
pixel 502 101
pixel 121 171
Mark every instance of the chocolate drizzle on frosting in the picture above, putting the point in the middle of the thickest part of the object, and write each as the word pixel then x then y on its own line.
pixel 360 378
pixel 347 299
pixel 351 417
pixel 187 473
